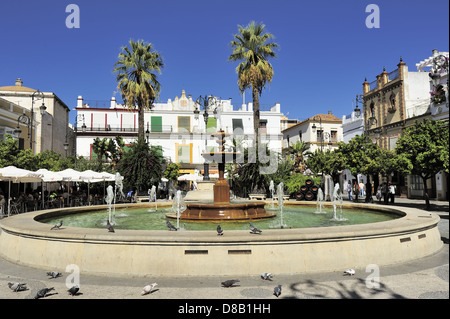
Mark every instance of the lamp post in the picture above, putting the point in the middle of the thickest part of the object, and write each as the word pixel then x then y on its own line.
pixel 37 95
pixel 28 120
pixel 83 129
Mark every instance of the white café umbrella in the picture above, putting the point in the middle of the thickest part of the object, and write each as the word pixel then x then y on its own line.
pixel 90 176
pixel 190 177
pixel 48 177
pixel 17 175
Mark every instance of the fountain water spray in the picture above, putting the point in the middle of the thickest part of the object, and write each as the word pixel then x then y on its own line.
pixel 320 200
pixel 280 193
pixel 337 198
pixel 178 206
pixel 109 199
pixel 153 196
pixel 272 191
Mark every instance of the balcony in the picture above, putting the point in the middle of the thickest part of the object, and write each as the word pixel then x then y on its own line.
pixel 118 129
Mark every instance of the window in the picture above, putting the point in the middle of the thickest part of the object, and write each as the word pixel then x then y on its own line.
pixel 319 135
pixel 416 182
pixel 184 124
pixel 156 123
pixel 392 100
pixel 333 136
pixel 183 153
pixel 211 127
pixel 263 127
pixel 392 142
pixel 238 126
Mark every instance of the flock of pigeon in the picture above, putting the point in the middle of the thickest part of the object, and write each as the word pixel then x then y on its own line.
pixel 42 293
pixel 73 291
pixel 265 276
pixel 149 288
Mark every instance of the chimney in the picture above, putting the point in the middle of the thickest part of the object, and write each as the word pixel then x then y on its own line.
pixel 19 82
pixel 435 52
pixel 329 112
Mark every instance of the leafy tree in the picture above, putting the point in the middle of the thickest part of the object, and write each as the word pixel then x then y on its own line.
pixel 172 171
pixel 326 163
pixel 425 146
pixel 362 156
pixel 136 78
pixel 252 48
pixel 9 149
pixel 100 146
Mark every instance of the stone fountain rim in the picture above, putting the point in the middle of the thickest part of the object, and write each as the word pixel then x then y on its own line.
pixel 411 220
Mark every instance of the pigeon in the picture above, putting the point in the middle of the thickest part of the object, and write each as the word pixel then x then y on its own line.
pixel 109 226
pixel 171 227
pixel 43 292
pixel 229 283
pixel 57 226
pixel 219 230
pixel 349 272
pixel 277 291
pixel 148 289
pixel 74 290
pixel 15 286
pixel 266 276
pixel 254 230
pixel 54 274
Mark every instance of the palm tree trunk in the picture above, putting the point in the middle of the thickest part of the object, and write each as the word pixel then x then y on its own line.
pixel 141 124
pixel 256 118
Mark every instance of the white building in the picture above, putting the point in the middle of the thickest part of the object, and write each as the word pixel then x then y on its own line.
pixel 50 130
pixel 438 83
pixel 320 132
pixel 175 127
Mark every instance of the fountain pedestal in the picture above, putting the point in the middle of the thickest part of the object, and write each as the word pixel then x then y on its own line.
pixel 221 208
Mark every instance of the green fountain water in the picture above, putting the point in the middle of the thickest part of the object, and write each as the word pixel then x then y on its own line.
pixel 154 219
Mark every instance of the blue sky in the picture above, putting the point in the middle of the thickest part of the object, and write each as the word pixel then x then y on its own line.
pixel 325 49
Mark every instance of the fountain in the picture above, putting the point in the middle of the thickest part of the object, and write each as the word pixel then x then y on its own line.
pixel 178 206
pixel 320 200
pixel 280 193
pixel 222 208
pixel 272 191
pixel 337 198
pixel 152 196
pixel 109 199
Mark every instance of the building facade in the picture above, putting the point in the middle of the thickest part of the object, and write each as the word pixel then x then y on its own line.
pixel 320 132
pixel 49 131
pixel 178 127
pixel 392 102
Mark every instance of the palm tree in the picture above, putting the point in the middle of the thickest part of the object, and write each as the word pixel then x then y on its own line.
pixel 251 47
pixel 298 152
pixel 136 79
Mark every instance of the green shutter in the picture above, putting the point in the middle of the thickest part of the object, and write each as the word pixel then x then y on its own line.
pixel 156 122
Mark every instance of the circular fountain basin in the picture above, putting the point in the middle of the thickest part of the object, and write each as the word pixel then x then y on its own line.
pixel 162 253
pixel 223 212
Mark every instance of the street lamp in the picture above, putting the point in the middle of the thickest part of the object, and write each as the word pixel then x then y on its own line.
pixel 37 95
pixel 83 129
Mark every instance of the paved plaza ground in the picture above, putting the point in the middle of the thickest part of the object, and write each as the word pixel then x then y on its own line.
pixel 427 278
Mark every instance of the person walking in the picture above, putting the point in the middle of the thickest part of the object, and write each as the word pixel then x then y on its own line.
pixel 361 189
pixel 356 191
pixel 349 190
pixel 392 192
pixel 384 193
